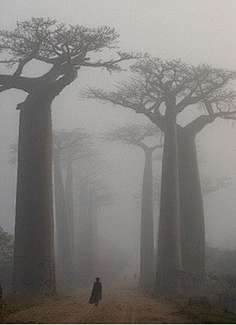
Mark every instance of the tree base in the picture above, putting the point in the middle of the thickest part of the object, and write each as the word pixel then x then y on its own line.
pixel 168 284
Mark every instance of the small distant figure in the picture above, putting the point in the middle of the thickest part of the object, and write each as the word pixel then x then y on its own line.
pixel 96 294
pixel 135 277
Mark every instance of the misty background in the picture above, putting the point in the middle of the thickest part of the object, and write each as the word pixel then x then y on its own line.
pixel 197 32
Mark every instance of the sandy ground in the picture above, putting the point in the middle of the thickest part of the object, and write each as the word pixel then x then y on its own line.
pixel 119 305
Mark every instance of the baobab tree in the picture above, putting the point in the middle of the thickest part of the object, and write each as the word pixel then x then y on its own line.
pixel 208 185
pixel 191 198
pixel 63 245
pixel 91 193
pixel 65 50
pixel 136 135
pixel 68 146
pixel 161 91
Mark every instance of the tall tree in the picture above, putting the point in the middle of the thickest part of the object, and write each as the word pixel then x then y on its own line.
pixel 62 141
pixel 63 248
pixel 136 135
pixel 191 205
pixel 65 50
pixel 91 194
pixel 161 91
pixel 69 146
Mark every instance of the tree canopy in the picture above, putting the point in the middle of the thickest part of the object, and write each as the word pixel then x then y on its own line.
pixel 156 85
pixel 65 48
pixel 134 134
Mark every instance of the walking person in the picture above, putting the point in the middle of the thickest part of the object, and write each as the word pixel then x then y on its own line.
pixel 96 294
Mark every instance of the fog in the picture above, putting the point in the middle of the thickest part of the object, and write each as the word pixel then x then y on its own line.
pixel 197 32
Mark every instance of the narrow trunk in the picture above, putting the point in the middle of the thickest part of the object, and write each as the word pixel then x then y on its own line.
pixel 95 240
pixel 84 240
pixel 169 267
pixel 70 204
pixel 147 241
pixel 34 270
pixel 64 265
pixel 90 239
pixel 192 217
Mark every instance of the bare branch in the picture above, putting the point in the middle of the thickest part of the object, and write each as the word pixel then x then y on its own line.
pixel 112 65
pixel 22 83
pixel 173 85
pixel 58 45
pixel 135 135
pixel 200 122
pixel 210 185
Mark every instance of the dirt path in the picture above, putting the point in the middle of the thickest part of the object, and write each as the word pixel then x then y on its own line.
pixel 127 306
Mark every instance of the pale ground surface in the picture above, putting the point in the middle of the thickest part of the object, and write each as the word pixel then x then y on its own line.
pixel 119 305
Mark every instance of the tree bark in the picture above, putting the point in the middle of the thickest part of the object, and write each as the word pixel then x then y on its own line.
pixel 147 241
pixel 64 264
pixel 34 269
pixel 192 217
pixel 169 266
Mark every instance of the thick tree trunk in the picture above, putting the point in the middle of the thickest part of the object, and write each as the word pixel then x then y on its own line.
pixel 169 266
pixel 34 269
pixel 64 265
pixel 192 217
pixel 70 204
pixel 147 241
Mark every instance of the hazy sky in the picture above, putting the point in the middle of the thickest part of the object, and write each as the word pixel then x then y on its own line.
pixel 197 31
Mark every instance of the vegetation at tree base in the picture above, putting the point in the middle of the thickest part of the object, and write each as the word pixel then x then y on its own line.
pixel 6 248
pixel 6 260
pixel 204 312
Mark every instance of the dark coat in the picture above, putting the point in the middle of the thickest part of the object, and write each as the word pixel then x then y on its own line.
pixel 96 294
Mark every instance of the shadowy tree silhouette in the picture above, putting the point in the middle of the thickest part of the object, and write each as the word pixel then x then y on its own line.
pixel 65 50
pixel 162 90
pixel 135 135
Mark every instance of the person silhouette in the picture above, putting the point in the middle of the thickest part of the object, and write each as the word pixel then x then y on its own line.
pixel 96 294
